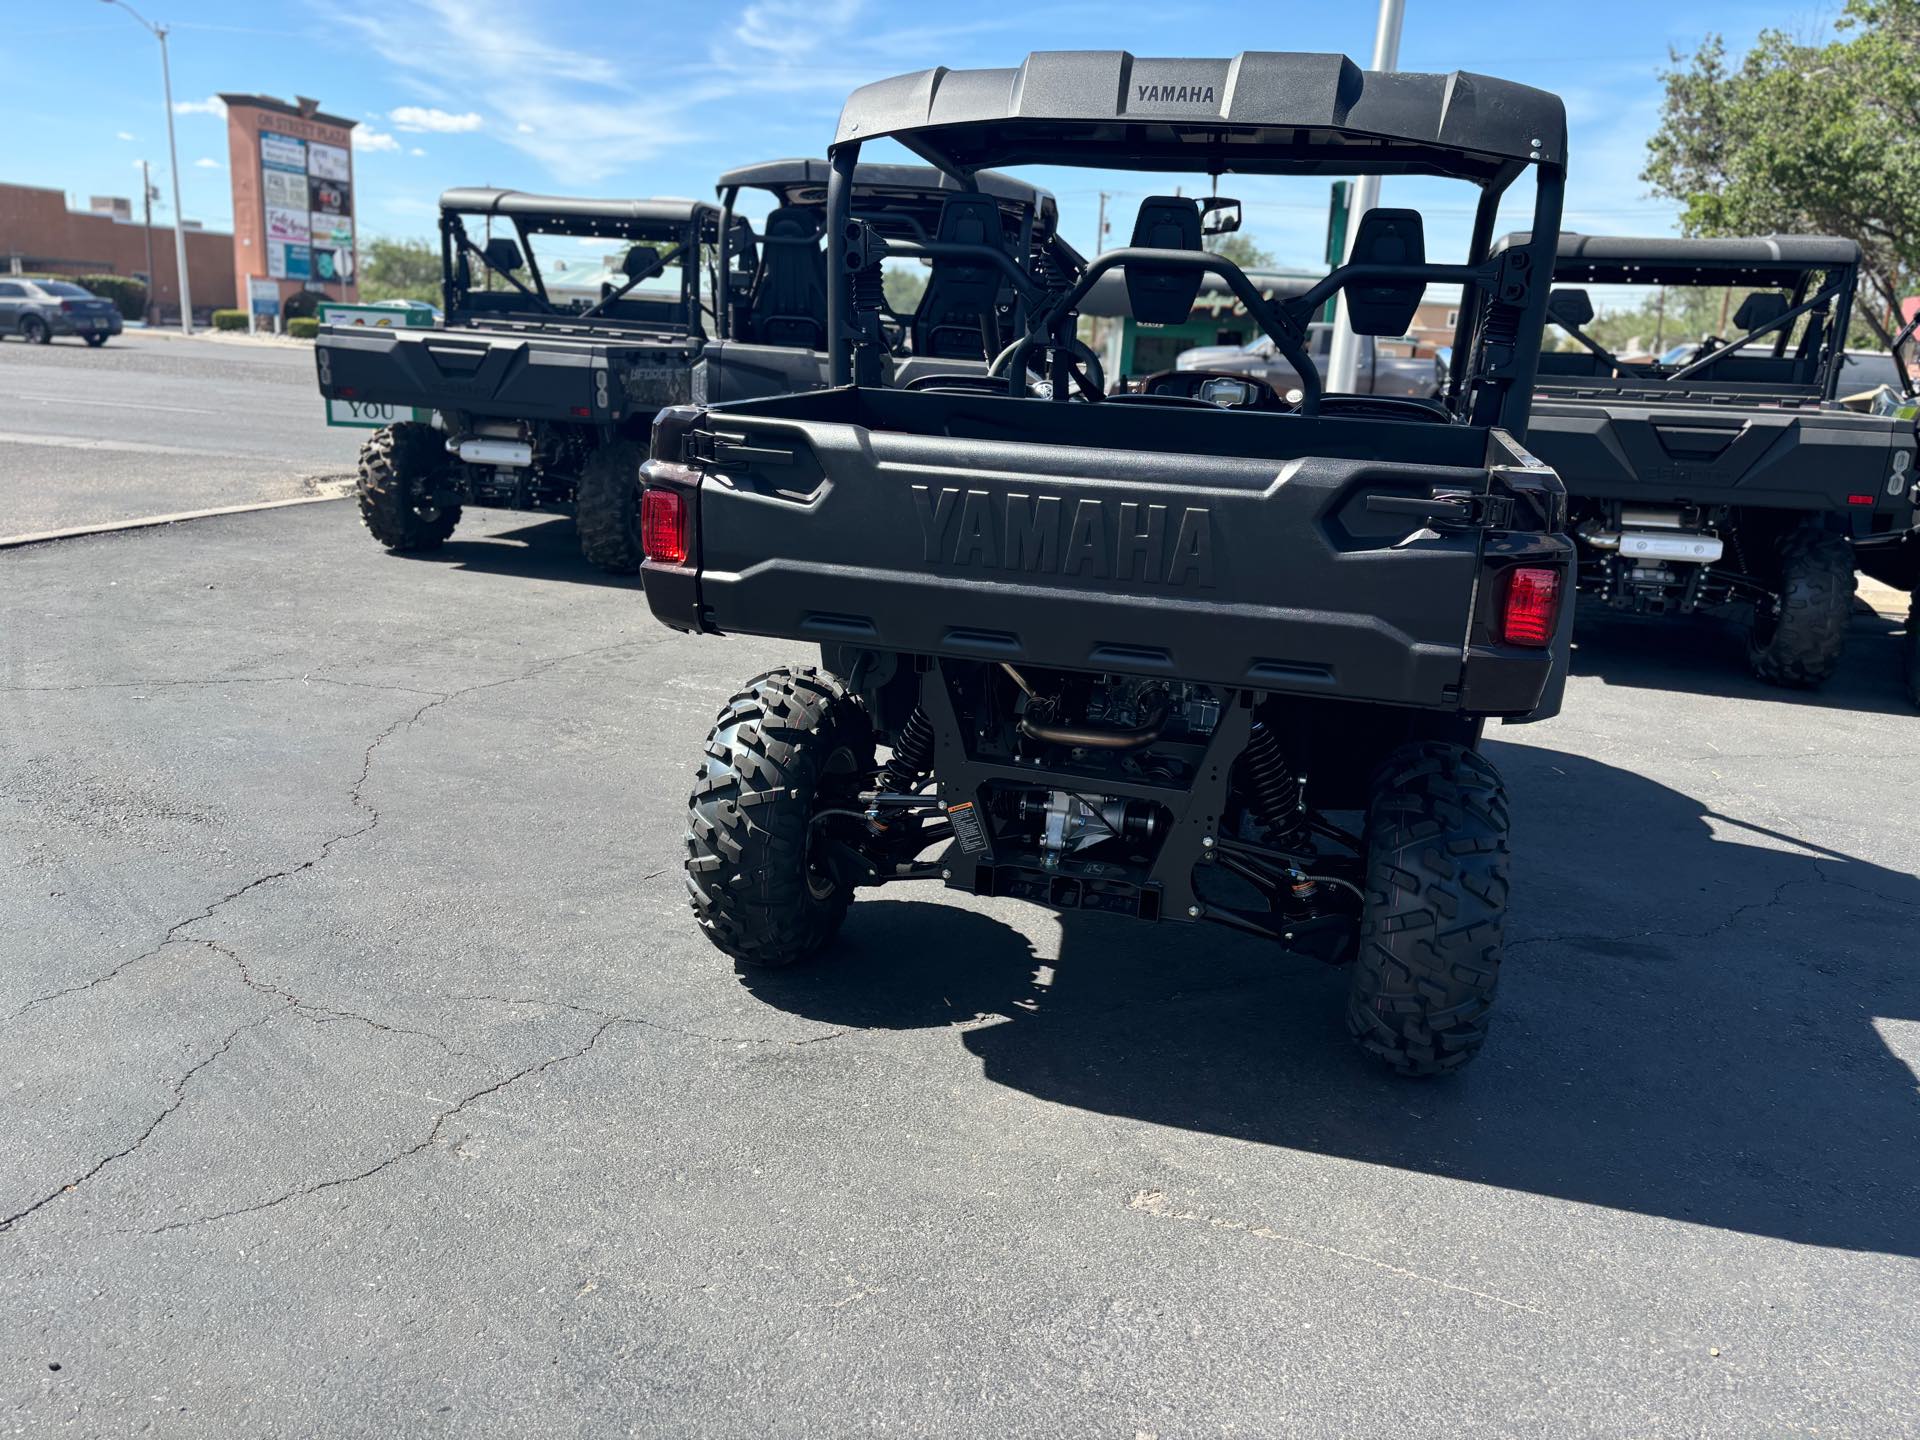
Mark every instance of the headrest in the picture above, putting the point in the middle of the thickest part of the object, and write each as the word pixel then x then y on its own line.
pixel 1570 308
pixel 502 255
pixel 1163 295
pixel 1387 237
pixel 640 262
pixel 1763 307
pixel 795 222
pixel 969 220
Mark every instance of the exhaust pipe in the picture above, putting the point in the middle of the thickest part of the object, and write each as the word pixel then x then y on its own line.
pixel 514 454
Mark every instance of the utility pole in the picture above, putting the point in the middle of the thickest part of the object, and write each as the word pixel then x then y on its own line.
pixel 159 32
pixel 146 196
pixel 1100 228
pixel 1344 363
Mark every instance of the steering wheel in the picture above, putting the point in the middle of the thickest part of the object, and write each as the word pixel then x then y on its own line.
pixel 1088 376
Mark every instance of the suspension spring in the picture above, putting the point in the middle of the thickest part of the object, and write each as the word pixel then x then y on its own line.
pixel 912 753
pixel 1272 788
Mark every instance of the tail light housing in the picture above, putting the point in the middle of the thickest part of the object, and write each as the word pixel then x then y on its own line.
pixel 663 525
pixel 67 307
pixel 1530 610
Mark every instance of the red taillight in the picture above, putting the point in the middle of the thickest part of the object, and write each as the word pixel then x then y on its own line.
pixel 1859 499
pixel 1533 604
pixel 67 307
pixel 581 412
pixel 663 525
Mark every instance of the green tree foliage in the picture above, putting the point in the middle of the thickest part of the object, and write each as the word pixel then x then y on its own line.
pixel 1241 248
pixel 128 295
pixel 1806 138
pixel 904 284
pixel 400 270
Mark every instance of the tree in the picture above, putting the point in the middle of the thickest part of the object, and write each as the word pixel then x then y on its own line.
pixel 400 270
pixel 1241 248
pixel 1806 138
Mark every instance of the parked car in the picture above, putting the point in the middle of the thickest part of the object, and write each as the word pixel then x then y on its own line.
pixel 1387 367
pixel 38 310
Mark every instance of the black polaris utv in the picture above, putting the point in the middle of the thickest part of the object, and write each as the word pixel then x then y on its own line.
pixel 1195 653
pixel 1718 475
pixel 571 322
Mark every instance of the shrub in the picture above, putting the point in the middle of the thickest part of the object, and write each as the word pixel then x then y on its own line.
pixel 229 319
pixel 129 296
pixel 303 327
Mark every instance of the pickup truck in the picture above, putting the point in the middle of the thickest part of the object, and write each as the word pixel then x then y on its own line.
pixel 1387 367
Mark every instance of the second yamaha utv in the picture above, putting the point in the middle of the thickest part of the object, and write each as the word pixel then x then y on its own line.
pixel 571 322
pixel 1193 654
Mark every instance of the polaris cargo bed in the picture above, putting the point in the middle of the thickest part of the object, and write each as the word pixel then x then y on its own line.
pixel 1234 549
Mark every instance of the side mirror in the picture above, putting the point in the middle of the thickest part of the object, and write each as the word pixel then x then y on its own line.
pixel 1219 215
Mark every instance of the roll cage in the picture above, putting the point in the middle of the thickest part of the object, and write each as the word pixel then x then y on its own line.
pixel 1818 275
pixel 1258 113
pixel 903 203
pixel 686 229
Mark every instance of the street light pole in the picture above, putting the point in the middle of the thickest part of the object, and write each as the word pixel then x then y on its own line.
pixel 159 32
pixel 1344 363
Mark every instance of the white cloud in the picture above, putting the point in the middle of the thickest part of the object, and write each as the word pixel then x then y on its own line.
pixel 365 137
pixel 416 150
pixel 440 122
pixel 207 163
pixel 523 128
pixel 212 105
pixel 123 135
pixel 791 27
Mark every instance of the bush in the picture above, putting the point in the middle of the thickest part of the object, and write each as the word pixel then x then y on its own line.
pixel 129 296
pixel 303 327
pixel 229 319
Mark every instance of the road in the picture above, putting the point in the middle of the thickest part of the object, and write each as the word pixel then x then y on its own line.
pixel 155 424
pixel 366 1074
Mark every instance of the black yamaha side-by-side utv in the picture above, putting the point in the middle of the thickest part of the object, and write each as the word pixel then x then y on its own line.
pixel 1195 653
pixel 571 322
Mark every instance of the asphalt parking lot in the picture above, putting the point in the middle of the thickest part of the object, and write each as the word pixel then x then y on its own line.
pixel 366 1075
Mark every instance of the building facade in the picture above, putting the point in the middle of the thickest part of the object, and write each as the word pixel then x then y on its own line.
pixel 40 235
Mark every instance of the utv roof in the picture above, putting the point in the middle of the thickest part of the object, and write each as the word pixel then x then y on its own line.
pixel 790 174
pixel 1262 111
pixel 571 207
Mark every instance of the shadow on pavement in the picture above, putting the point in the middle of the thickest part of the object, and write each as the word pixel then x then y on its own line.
pixel 1702 655
pixel 1687 1026
pixel 544 549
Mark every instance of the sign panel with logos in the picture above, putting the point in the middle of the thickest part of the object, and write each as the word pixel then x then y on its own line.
pixel 330 196
pixel 289 262
pixel 285 189
pixel 355 414
pixel 287 226
pixel 263 297
pixel 332 266
pixel 326 162
pixel 331 230
pixel 283 151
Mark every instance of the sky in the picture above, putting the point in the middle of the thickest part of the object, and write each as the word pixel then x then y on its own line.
pixel 655 98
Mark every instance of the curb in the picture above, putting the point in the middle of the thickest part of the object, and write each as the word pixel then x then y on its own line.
pixel 147 522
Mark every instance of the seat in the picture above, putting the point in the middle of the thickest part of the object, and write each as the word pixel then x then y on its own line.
pixel 1763 307
pixel 960 294
pixel 789 304
pixel 1386 237
pixel 1164 294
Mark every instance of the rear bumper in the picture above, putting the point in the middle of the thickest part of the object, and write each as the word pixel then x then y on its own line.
pixel 63 324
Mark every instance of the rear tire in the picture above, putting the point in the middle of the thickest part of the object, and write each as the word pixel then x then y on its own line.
pixel 1432 927
pixel 1800 645
pixel 399 467
pixel 96 341
pixel 606 508
pixel 1910 652
pixel 35 331
pixel 791 744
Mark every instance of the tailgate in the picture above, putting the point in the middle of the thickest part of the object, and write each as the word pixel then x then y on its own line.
pixel 529 377
pixel 1228 570
pixel 1811 459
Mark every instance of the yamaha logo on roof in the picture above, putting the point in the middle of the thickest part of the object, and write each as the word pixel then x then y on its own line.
pixel 1173 95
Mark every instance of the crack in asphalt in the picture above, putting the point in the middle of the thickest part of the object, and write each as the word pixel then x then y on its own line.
pixel 619 1018
pixel 354 797
pixel 424 1143
pixel 214 682
pixel 179 1099
pixel 1732 918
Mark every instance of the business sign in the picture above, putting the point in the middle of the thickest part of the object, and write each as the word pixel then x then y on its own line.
pixel 289 262
pixel 286 225
pixel 332 230
pixel 263 297
pixel 283 151
pixel 327 162
pixel 356 414
pixel 285 189
pixel 330 196
pixel 333 266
